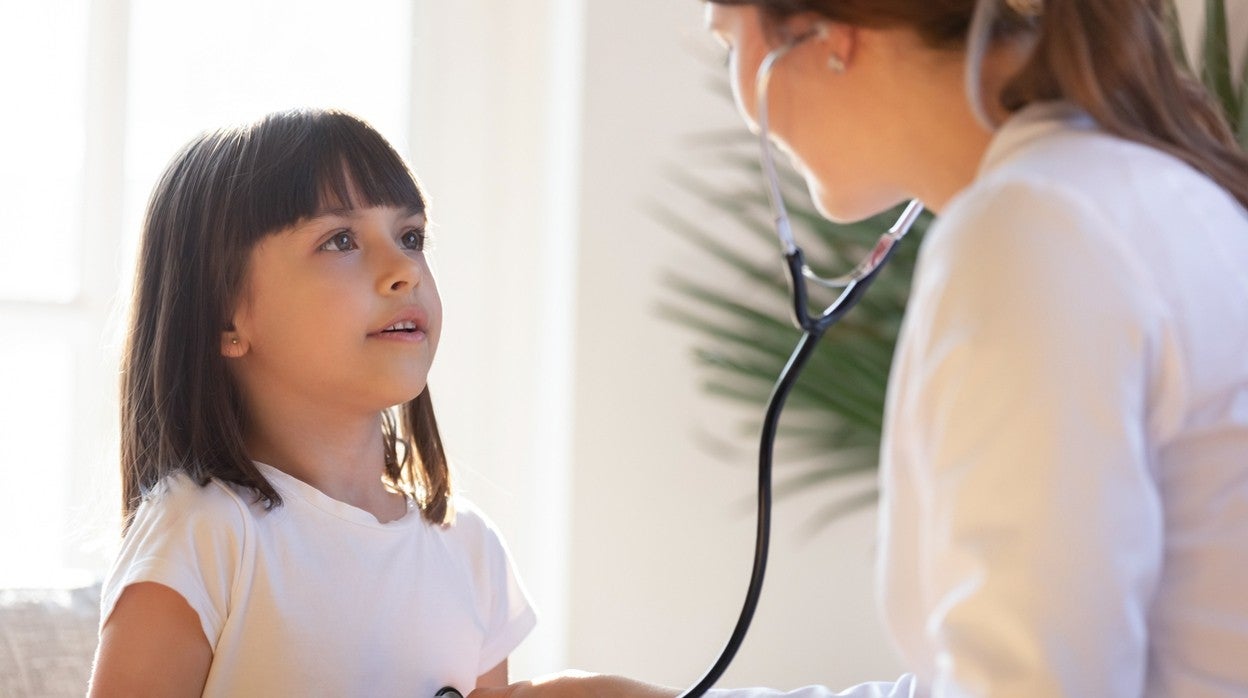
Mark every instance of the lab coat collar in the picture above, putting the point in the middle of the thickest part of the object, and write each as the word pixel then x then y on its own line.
pixel 1029 124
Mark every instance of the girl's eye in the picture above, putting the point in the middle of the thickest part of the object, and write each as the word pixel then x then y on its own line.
pixel 341 241
pixel 413 240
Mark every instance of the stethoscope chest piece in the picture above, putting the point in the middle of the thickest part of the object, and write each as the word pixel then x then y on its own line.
pixel 448 692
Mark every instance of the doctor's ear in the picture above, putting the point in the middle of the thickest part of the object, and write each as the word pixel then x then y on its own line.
pixel 835 41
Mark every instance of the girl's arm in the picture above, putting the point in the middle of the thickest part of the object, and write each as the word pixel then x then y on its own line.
pixel 152 645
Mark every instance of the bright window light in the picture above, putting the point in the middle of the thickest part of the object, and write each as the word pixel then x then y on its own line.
pixel 43 50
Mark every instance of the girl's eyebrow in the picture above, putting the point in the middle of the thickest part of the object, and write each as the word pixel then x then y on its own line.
pixel 311 224
pixel 339 212
pixel 414 210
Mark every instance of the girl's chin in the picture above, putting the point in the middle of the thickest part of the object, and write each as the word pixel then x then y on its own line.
pixel 409 393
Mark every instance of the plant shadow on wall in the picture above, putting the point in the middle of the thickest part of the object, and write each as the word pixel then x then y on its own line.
pixel 831 428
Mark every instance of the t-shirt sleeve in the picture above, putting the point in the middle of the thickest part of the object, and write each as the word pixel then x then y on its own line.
pixel 502 602
pixel 189 539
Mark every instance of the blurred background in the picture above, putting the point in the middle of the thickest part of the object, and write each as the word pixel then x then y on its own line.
pixel 545 132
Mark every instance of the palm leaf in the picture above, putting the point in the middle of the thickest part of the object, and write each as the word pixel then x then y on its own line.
pixel 1241 125
pixel 1176 36
pixel 1216 67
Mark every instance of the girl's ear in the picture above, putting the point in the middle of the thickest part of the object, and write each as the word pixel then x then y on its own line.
pixel 233 346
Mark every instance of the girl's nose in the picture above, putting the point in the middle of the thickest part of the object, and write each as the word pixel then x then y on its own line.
pixel 401 271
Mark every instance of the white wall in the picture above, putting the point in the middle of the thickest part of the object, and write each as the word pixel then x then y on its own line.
pixel 494 120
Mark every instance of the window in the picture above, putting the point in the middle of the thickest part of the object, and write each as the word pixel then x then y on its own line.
pixel 42 293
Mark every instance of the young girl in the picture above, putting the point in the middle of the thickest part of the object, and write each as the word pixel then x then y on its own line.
pixel 287 534
pixel 1064 472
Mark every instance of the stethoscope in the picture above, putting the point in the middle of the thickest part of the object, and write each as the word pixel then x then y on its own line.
pixel 852 285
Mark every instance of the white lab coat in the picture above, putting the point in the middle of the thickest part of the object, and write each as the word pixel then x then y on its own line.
pixel 1065 462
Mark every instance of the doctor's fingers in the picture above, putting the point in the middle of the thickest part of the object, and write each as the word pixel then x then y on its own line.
pixel 577 684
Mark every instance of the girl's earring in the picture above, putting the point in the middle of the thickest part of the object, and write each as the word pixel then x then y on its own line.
pixel 836 64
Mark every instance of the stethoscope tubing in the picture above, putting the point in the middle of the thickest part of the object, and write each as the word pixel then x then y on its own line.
pixel 762 537
pixel 813 329
pixel 852 288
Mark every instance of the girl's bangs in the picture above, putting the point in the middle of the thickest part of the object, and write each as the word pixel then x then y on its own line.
pixel 359 169
pixel 308 162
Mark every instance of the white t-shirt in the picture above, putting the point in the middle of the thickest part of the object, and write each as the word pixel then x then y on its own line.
pixel 1065 463
pixel 316 598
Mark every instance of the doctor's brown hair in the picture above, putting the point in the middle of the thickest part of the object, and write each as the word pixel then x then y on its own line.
pixel 1110 57
pixel 181 410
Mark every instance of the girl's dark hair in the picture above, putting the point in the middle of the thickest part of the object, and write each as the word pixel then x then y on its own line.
pixel 1110 57
pixel 180 407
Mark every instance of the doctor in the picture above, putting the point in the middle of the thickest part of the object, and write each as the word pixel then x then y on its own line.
pixel 1065 459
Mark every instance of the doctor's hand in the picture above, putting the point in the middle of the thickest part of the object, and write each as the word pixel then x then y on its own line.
pixel 577 684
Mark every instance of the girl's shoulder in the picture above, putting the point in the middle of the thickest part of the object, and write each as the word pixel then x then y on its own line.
pixel 178 500
pixel 498 592
pixel 187 536
pixel 475 535
pixel 470 524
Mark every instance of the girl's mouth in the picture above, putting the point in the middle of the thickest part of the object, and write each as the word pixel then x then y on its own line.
pixel 405 326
